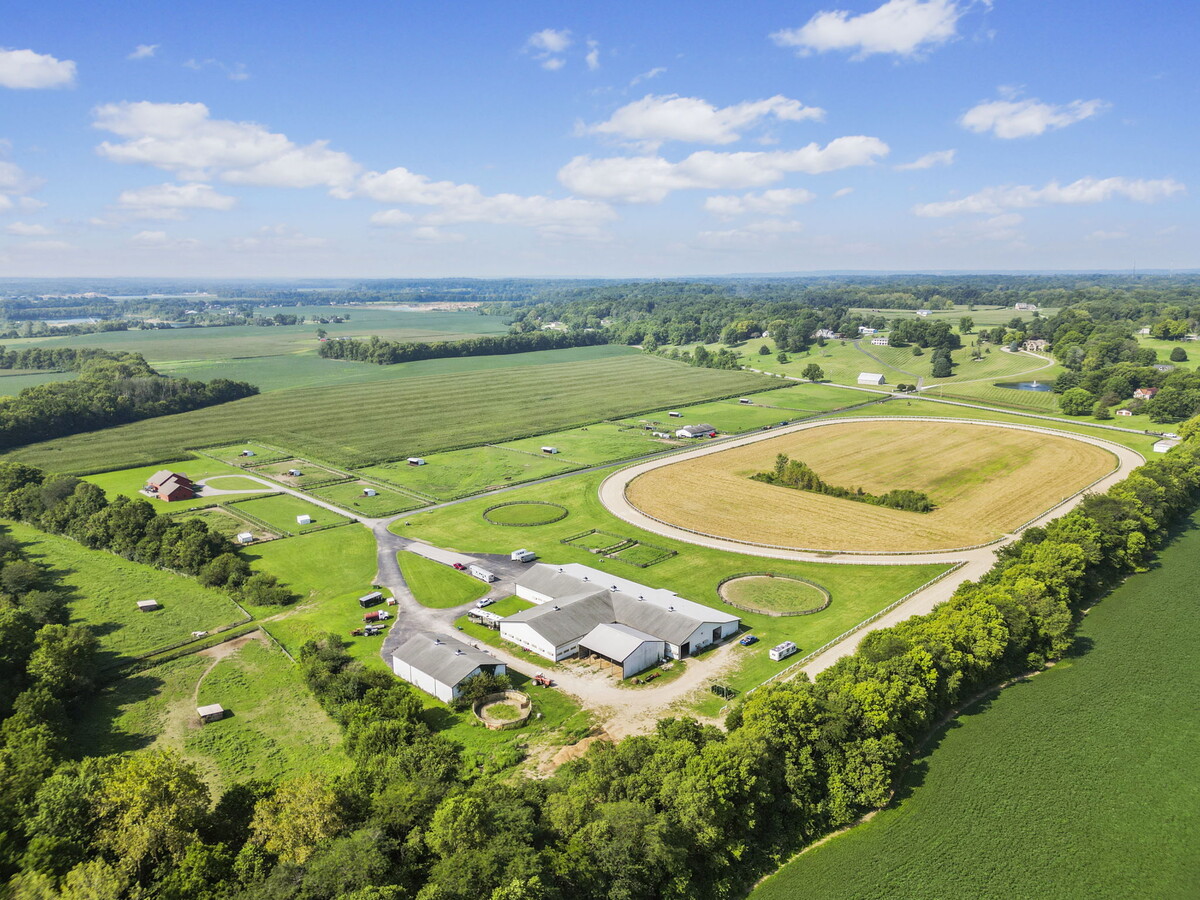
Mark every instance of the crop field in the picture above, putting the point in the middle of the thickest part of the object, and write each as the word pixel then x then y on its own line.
pixel 104 590
pixel 350 495
pixel 985 482
pixel 310 473
pixel 437 585
pixel 13 381
pixel 858 591
pixel 130 481
pixel 595 444
pixel 276 728
pixel 281 511
pixel 1096 753
pixel 363 425
pixel 769 593
pixel 462 472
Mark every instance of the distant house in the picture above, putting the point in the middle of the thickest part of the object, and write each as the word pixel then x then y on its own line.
pixel 1163 367
pixel 438 664
pixel 1145 331
pixel 871 378
pixel 1124 412
pixel 828 333
pixel 1145 393
pixel 148 605
pixel 1165 444
pixel 863 329
pixel 304 519
pixel 881 341
pixel 214 712
pixel 1036 345
pixel 1026 307
pixel 922 312
pixel 169 486
pixel 695 431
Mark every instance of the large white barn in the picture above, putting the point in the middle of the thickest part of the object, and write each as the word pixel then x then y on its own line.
pixel 581 611
pixel 438 664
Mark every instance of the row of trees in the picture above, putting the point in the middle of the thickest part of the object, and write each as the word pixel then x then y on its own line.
pixel 107 392
pixel 792 473
pixel 63 504
pixel 383 352
pixel 63 358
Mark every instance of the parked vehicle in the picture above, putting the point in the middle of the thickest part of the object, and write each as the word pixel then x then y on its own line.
pixel 357 632
pixel 484 601
pixel 542 680
pixel 523 556
pixel 460 567
pixel 748 640
pixel 782 651
pixel 482 574
pixel 372 630
pixel 380 615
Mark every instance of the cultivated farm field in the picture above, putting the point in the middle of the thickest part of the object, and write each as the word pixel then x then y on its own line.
pixel 985 482
pixel 1096 753
pixel 366 424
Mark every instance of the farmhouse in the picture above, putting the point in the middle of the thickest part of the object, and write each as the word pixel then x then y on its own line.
pixel 1144 393
pixel 870 378
pixel 438 664
pixel 1036 345
pixel 695 431
pixel 881 341
pixel 169 486
pixel 1026 307
pixel 1124 412
pixel 572 602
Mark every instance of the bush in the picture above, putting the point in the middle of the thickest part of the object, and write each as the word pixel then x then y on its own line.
pixel 1178 354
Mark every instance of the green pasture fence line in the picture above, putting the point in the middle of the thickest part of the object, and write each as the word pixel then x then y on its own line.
pixel 183 648
pixel 785 674
pixel 766 612
pixel 275 641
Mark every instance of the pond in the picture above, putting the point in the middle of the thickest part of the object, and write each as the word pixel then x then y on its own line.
pixel 1027 385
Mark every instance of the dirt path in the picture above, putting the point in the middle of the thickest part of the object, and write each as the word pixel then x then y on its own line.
pixel 221 651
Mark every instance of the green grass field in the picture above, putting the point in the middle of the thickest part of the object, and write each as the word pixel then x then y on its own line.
pixel 462 472
pixel 232 454
pixel 349 494
pixel 773 594
pixel 1077 783
pixel 595 444
pixel 104 590
pixel 358 425
pixel 437 585
pixel 1162 348
pixel 727 416
pixel 276 728
pixel 811 398
pixel 13 382
pixel 858 591
pixel 130 481
pixel 310 473
pixel 224 521
pixel 523 513
pixel 282 510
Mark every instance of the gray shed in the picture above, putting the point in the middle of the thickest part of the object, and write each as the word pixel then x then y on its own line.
pixel 214 712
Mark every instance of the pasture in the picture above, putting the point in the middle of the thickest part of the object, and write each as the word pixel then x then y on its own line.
pixel 310 473
pixel 437 585
pixel 130 481
pixel 14 381
pixel 280 511
pixel 727 416
pixel 103 590
pixel 1096 753
pixel 809 397
pixel 226 521
pixel 985 482
pixel 858 591
pixel 462 472
pixel 367 424
pixel 349 494
pixel 595 444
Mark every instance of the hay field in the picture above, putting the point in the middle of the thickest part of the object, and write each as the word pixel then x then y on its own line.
pixel 985 480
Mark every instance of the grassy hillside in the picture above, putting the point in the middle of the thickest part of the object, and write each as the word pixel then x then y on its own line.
pixel 362 424
pixel 1078 783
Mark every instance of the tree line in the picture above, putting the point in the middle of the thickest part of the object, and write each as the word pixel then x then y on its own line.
pixel 385 353
pixel 108 391
pixel 792 473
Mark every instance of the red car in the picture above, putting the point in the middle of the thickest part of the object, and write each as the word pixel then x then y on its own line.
pixel 459 566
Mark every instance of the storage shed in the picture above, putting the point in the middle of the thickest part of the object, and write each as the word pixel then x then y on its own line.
pixel 870 378
pixel 245 537
pixel 416 461
pixel 370 492
pixel 304 519
pixel 438 664
pixel 621 647
pixel 148 605
pixel 695 431
pixel 549 449
pixel 214 712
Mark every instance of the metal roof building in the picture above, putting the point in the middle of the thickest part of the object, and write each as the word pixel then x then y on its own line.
pixel 624 648
pixel 438 664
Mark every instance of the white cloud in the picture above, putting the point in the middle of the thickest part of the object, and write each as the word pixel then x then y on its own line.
pixel 165 201
pixel 928 161
pixel 1027 118
pixel 658 118
pixel 182 138
pixel 392 217
pixel 143 51
pixel 997 228
pixel 646 76
pixel 456 203
pixel 25 229
pixel 160 240
pixel 842 192
pixel 752 236
pixel 771 203
pixel 14 184
pixel 548 45
pixel 235 72
pixel 436 235
pixel 593 55
pixel 900 27
pixel 24 69
pixel 995 200
pixel 648 179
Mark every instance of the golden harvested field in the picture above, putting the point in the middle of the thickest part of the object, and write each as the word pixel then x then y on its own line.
pixel 985 481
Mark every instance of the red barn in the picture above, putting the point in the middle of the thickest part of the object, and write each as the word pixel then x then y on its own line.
pixel 169 486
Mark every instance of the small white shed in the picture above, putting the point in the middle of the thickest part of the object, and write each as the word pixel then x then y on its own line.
pixel 549 449
pixel 245 537
pixel 416 461
pixel 870 378
pixel 304 519
pixel 370 492
pixel 214 712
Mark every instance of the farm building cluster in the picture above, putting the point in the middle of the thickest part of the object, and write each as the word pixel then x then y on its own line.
pixel 582 612
pixel 438 664
pixel 169 486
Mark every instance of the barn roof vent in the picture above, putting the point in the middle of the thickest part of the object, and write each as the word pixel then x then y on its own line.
pixel 556 606
pixel 458 653
pixel 670 609
pixel 438 641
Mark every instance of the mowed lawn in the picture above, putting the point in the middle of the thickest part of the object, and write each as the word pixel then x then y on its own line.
pixel 438 585
pixel 812 397
pixel 858 591
pixel 350 495
pixel 1079 783
pixel 366 424
pixel 281 511
pixel 130 481
pixel 104 590
pixel 463 472
pixel 727 416
pixel 985 482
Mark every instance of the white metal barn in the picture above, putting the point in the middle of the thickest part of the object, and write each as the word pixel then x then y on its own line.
pixel 870 378
pixel 572 600
pixel 438 664
pixel 622 647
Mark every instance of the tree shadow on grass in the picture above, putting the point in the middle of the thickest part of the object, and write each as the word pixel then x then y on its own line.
pixel 94 728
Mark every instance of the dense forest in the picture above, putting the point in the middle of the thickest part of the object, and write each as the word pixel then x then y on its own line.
pixel 111 389
pixel 687 811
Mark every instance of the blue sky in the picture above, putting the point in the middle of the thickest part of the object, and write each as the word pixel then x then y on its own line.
pixel 619 139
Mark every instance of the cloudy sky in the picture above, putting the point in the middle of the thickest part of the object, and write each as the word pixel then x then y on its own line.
pixel 623 138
